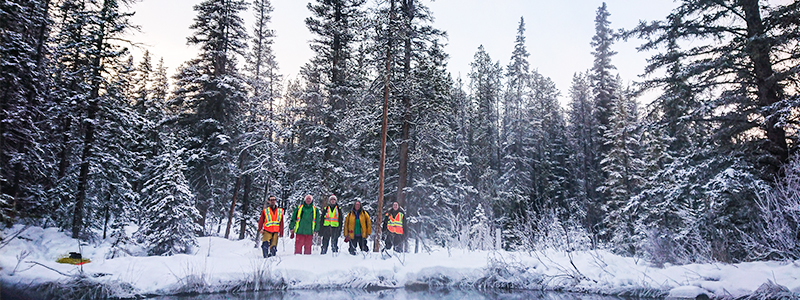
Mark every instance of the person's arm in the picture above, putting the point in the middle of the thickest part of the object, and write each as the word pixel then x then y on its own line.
pixel 319 220
pixel 404 222
pixel 385 223
pixel 341 215
pixel 294 217
pixel 368 223
pixel 280 226
pixel 344 227
pixel 261 221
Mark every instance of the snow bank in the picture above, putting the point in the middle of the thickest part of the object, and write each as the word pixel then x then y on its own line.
pixel 221 265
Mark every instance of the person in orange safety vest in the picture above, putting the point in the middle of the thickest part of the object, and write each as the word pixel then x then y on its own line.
pixel 394 221
pixel 270 225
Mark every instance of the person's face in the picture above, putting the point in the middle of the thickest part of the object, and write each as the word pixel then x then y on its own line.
pixel 309 199
pixel 357 206
pixel 332 201
pixel 272 201
pixel 395 206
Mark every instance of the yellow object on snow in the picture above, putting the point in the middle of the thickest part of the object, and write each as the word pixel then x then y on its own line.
pixel 73 259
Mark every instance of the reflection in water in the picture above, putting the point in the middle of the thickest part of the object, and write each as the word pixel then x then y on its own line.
pixel 458 294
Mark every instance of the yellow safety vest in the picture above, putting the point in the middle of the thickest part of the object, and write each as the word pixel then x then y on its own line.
pixel 313 220
pixel 273 222
pixel 331 218
pixel 395 224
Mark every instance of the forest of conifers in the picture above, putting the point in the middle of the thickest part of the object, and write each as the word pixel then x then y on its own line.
pixel 96 141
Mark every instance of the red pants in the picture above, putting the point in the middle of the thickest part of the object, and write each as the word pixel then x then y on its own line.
pixel 303 241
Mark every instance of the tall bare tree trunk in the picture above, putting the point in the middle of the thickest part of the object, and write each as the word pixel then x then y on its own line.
pixel 379 215
pixel 402 181
pixel 769 91
pixel 236 188
pixel 88 140
pixel 245 206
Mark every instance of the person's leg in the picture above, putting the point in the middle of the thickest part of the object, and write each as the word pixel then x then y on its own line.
pixel 397 240
pixel 388 241
pixel 307 244
pixel 273 243
pixel 363 243
pixel 298 243
pixel 334 236
pixel 352 248
pixel 326 237
pixel 264 245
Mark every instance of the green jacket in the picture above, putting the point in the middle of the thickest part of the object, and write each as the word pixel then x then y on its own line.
pixel 308 224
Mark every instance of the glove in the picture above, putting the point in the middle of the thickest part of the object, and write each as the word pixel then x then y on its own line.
pixel 346 239
pixel 291 235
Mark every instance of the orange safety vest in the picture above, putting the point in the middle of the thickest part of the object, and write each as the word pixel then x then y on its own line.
pixel 331 218
pixel 300 212
pixel 273 220
pixel 395 224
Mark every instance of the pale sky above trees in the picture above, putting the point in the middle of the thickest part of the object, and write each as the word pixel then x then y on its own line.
pixel 558 32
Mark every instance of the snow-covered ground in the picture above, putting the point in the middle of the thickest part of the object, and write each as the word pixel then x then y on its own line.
pixel 221 265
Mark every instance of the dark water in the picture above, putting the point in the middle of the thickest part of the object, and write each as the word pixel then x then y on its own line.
pixel 394 294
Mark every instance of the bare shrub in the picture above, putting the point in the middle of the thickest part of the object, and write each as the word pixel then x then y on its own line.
pixel 777 237
pixel 548 231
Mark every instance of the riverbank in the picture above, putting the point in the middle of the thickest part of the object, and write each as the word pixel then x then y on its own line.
pixel 28 259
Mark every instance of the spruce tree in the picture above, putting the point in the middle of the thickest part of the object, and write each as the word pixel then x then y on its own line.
pixel 259 163
pixel 581 128
pixel 209 95
pixel 485 77
pixel 624 166
pixel 336 26
pixel 604 88
pixel 102 24
pixel 515 182
pixel 25 28
pixel 741 81
pixel 169 224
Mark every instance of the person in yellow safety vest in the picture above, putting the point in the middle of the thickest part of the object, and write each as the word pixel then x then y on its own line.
pixel 357 228
pixel 305 222
pixel 394 221
pixel 270 225
pixel 331 226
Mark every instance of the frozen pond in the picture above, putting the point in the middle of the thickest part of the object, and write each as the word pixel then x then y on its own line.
pixel 458 294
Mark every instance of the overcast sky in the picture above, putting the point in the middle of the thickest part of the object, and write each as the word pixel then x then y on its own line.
pixel 558 32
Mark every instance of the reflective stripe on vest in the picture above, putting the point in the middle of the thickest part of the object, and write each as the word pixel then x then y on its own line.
pixel 395 224
pixel 300 212
pixel 273 222
pixel 331 218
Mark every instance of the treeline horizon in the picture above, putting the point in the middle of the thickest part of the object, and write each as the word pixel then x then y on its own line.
pixel 94 140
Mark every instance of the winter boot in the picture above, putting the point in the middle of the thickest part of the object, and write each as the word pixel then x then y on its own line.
pixel 273 251
pixel 264 249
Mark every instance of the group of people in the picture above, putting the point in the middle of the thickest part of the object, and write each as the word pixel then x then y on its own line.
pixel 307 220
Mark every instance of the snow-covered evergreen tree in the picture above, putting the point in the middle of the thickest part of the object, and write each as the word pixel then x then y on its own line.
pixel 208 94
pixel 480 233
pixel 259 163
pixel 741 97
pixel 24 29
pixel 485 92
pixel 170 222
pixel 624 168
pixel 332 84
pixel 583 173
pixel 515 184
